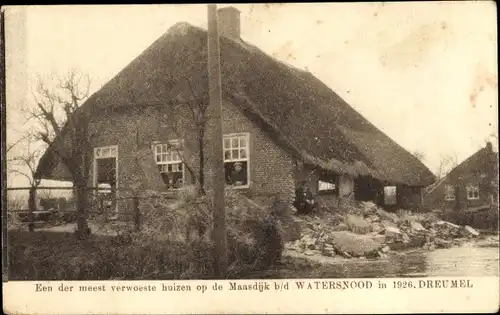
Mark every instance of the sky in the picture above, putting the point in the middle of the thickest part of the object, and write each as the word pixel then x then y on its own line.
pixel 425 73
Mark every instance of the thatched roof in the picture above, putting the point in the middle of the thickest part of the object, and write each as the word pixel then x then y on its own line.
pixel 296 109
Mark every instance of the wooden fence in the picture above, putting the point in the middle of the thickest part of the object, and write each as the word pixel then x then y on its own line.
pixel 98 204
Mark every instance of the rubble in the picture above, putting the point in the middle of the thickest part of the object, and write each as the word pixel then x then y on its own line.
pixel 373 218
pixel 341 227
pixel 388 215
pixel 417 227
pixel 377 237
pixel 471 231
pixel 386 223
pixel 392 231
pixel 385 249
pixel 368 207
pixel 358 224
pixel 329 250
pixel 448 224
pixel 368 231
pixel 353 244
pixel 377 227
pixel 489 241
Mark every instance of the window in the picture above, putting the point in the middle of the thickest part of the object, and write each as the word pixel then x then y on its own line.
pixel 322 186
pixel 105 176
pixel 449 193
pixel 236 162
pixel 105 165
pixel 169 161
pixel 327 183
pixel 390 197
pixel 106 152
pixel 472 192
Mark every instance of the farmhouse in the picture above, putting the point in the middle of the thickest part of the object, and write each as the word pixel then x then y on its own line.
pixel 473 183
pixel 281 126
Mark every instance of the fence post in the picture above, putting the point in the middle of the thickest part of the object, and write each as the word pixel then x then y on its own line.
pixel 32 209
pixel 137 214
pixel 31 222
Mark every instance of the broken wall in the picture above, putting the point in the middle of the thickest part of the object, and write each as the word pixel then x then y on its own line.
pixel 346 189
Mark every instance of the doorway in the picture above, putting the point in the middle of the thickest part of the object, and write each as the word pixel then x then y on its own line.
pixel 390 195
pixel 106 178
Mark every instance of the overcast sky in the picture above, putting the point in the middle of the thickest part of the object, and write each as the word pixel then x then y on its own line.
pixel 424 73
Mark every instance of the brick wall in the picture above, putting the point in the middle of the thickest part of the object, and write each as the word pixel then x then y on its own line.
pixel 436 199
pixel 271 168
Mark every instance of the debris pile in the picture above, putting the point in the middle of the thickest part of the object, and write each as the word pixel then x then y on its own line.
pixel 367 231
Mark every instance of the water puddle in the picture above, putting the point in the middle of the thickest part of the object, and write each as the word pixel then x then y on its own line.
pixel 460 261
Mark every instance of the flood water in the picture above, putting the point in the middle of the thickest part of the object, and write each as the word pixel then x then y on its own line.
pixel 460 261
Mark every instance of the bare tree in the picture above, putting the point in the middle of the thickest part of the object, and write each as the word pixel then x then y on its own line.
pixel 194 111
pixel 63 126
pixel 419 155
pixel 493 138
pixel 13 144
pixel 446 164
pixel 181 116
pixel 25 165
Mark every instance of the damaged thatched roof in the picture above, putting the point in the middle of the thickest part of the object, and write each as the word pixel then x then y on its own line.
pixel 296 109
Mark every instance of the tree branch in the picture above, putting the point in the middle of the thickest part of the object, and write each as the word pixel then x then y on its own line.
pixel 18 172
pixel 12 145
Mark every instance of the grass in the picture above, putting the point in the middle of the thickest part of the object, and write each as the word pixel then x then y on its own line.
pixel 40 255
pixel 44 255
pixel 164 248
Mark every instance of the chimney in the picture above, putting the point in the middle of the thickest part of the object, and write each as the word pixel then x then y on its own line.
pixel 229 22
pixel 489 146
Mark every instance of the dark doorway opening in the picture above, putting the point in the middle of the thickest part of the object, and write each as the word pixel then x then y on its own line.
pixel 366 188
pixel 106 183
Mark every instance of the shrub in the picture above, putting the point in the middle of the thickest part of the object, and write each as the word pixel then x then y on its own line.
pixel 254 233
pixel 486 219
pixel 13 221
pixel 15 206
pixel 174 242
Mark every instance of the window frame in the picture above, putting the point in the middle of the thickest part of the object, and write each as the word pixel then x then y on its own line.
pixel 113 154
pixel 385 191
pixel 170 142
pixel 327 191
pixel 449 193
pixel 472 188
pixel 247 160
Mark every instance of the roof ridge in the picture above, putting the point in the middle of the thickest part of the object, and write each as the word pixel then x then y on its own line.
pixel 183 28
pixel 180 27
pixel 458 166
pixel 289 65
